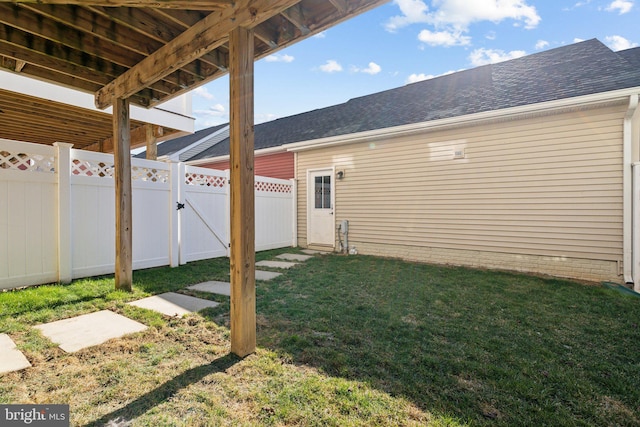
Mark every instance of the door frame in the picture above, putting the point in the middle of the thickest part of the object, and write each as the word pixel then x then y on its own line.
pixel 311 199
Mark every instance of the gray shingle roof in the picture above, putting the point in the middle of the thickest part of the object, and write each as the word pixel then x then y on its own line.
pixel 583 68
pixel 172 146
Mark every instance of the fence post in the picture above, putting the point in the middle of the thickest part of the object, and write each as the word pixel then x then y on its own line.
pixel 227 210
pixel 294 214
pixel 63 171
pixel 177 180
pixel 635 267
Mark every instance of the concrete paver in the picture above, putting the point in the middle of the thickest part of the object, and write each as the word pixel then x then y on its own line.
pixel 276 264
pixel 11 359
pixel 266 275
pixel 313 252
pixel 173 304
pixel 294 257
pixel 213 287
pixel 87 330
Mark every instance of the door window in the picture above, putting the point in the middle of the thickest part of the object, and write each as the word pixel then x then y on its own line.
pixel 323 192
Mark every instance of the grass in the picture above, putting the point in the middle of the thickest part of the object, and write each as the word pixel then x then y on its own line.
pixel 343 341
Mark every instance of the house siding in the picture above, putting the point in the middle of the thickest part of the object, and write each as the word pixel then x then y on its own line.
pixel 278 165
pixel 540 194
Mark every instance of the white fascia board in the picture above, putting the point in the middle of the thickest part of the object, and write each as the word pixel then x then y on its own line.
pixel 504 114
pixel 24 85
pixel 261 152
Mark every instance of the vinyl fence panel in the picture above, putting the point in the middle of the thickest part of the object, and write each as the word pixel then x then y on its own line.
pixel 57 213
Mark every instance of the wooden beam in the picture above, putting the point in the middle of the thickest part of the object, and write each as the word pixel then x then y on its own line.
pixel 138 138
pixel 295 15
pixel 152 143
pixel 122 177
pixel 201 38
pixel 341 5
pixel 167 4
pixel 242 258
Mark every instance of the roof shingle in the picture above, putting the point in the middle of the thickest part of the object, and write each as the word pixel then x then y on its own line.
pixel 579 69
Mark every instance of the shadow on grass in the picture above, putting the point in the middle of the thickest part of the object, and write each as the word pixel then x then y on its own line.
pixel 155 397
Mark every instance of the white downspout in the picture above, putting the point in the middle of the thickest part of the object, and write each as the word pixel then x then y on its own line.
pixel 628 205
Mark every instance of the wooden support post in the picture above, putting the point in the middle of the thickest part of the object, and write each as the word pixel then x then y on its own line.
pixel 152 146
pixel 243 274
pixel 122 176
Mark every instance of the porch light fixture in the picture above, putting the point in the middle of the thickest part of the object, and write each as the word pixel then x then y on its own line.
pixel 340 174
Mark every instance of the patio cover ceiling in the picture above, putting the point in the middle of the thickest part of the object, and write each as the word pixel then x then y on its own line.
pixel 147 51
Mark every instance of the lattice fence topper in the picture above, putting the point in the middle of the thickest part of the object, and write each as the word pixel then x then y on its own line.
pixel 149 174
pixel 205 180
pixel 27 162
pixel 272 187
pixel 91 168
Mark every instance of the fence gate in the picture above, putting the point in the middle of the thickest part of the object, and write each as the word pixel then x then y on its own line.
pixel 203 214
pixel 57 219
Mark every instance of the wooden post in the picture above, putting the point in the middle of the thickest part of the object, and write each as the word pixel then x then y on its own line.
pixel 152 146
pixel 242 259
pixel 122 176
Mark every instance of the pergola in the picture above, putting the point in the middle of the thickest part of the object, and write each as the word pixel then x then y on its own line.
pixel 146 52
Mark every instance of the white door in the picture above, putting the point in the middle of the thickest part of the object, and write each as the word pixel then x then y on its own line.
pixel 320 200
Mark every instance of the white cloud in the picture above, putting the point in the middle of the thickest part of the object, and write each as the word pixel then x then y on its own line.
pixel 617 43
pixel 216 114
pixel 459 14
pixel 331 66
pixel 216 110
pixel 265 117
pixel 443 38
pixel 577 5
pixel 620 6
pixel 491 35
pixel 484 56
pixel 372 69
pixel 577 40
pixel 320 35
pixel 414 78
pixel 279 57
pixel 413 12
pixel 202 92
pixel 541 44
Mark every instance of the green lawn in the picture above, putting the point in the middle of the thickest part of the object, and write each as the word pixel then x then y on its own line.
pixel 343 341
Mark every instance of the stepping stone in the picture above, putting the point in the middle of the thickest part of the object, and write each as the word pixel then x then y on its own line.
pixel 313 252
pixel 11 359
pixel 173 304
pixel 294 257
pixel 88 330
pixel 221 288
pixel 266 275
pixel 276 264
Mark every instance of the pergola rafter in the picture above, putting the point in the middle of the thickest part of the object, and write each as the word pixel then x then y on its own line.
pixel 149 51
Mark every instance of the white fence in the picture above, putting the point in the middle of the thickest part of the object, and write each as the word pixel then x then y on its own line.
pixel 57 213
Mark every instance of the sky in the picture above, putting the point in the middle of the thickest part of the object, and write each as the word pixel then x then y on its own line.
pixel 405 41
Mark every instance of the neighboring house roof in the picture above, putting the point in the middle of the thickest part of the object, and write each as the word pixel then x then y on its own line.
pixel 631 55
pixel 191 144
pixel 579 69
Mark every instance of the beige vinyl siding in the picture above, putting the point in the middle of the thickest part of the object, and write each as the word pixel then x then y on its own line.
pixel 546 186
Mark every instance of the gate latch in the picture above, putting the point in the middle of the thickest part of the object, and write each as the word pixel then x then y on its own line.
pixel 180 206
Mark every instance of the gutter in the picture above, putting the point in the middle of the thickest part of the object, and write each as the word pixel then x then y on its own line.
pixel 629 204
pixel 470 119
